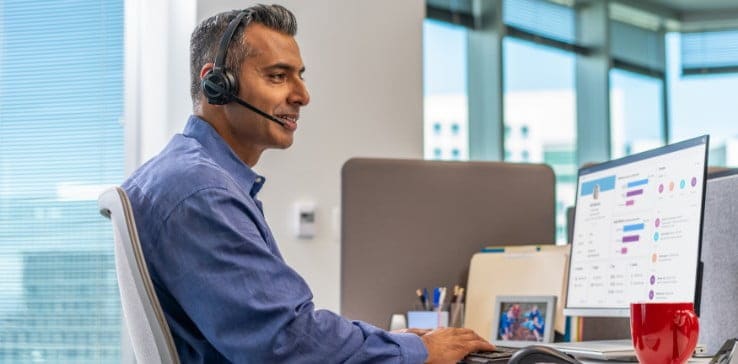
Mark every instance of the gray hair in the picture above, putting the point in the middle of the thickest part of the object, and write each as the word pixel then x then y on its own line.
pixel 205 39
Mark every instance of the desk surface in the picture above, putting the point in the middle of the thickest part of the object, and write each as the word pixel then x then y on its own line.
pixel 691 361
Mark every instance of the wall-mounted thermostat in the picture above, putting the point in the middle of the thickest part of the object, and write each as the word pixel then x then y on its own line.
pixel 305 220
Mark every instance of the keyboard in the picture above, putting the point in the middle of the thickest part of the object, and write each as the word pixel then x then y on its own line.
pixel 500 355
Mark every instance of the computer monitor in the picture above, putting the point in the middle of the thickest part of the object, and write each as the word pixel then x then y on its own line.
pixel 637 230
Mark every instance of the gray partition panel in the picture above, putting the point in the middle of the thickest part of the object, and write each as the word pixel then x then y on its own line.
pixel 719 299
pixel 407 224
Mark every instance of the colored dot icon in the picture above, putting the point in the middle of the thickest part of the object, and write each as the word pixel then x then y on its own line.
pixel 682 184
pixel 694 181
pixel 652 280
pixel 657 223
pixel 650 294
pixel 661 188
pixel 671 186
pixel 656 236
pixel 653 258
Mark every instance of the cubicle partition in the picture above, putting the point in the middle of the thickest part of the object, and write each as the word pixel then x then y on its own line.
pixel 719 299
pixel 408 224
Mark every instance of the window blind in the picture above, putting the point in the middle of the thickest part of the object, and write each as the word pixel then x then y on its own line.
pixel 457 12
pixel 640 50
pixel 541 18
pixel 61 142
pixel 709 52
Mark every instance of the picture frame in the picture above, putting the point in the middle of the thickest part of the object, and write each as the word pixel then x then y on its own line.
pixel 523 320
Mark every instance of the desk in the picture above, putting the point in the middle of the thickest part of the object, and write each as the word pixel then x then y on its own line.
pixel 691 361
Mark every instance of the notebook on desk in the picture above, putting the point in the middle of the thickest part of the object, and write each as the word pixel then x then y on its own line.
pixel 637 232
pixel 506 271
pixel 620 350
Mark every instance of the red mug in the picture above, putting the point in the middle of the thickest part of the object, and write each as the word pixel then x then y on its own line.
pixel 663 333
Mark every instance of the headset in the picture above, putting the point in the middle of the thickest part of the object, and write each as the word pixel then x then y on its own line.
pixel 219 85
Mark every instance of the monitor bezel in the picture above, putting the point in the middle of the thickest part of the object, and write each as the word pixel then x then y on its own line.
pixel 625 311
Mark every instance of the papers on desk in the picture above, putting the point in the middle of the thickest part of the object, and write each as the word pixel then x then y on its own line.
pixel 514 271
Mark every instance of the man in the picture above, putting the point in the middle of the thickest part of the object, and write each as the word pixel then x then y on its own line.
pixel 227 293
pixel 534 322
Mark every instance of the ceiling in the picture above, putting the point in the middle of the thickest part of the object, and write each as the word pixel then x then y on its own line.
pixel 687 6
pixel 692 15
pixel 674 15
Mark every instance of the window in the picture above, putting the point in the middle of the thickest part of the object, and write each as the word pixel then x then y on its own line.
pixel 636 113
pixel 540 115
pixel 543 18
pixel 709 51
pixel 703 104
pixel 445 102
pixel 662 88
pixel 61 143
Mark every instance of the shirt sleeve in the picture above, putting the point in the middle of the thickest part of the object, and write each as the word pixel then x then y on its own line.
pixel 245 300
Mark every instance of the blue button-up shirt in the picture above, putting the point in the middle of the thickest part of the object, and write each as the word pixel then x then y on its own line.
pixel 227 294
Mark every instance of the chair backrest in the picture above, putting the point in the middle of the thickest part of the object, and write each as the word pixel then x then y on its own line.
pixel 150 336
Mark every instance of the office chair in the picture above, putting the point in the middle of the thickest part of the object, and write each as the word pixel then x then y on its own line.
pixel 152 341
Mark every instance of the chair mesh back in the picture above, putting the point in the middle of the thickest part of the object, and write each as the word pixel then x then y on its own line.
pixel 150 336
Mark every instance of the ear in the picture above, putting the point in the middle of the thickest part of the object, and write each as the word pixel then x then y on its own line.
pixel 207 67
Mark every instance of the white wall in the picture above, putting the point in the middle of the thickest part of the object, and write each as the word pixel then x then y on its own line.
pixel 156 74
pixel 364 72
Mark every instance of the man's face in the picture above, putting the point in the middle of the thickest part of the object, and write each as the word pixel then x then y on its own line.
pixel 271 80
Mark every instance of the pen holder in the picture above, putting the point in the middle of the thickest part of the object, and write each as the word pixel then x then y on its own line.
pixel 421 318
pixel 427 319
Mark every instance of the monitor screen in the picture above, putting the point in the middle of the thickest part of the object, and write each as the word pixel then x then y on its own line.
pixel 637 230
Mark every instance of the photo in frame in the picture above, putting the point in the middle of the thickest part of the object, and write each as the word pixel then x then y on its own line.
pixel 523 320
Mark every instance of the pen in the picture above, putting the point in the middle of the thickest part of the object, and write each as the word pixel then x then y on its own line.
pixel 421 297
pixel 441 298
pixel 456 320
pixel 425 299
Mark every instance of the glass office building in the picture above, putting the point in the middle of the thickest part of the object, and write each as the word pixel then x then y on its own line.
pixel 61 142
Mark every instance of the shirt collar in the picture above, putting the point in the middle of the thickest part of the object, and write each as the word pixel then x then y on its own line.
pixel 223 155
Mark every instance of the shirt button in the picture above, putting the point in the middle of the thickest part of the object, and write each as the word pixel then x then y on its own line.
pixel 259 179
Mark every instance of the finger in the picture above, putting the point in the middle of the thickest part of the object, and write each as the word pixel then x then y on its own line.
pixel 481 345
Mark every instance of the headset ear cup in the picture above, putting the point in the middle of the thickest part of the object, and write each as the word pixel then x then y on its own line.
pixel 212 87
pixel 231 85
pixel 218 87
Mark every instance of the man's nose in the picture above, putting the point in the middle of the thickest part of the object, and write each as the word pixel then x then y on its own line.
pixel 299 94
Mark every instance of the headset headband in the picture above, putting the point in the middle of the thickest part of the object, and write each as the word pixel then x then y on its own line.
pixel 227 35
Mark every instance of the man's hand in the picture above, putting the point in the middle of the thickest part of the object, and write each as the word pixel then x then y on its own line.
pixel 419 332
pixel 449 345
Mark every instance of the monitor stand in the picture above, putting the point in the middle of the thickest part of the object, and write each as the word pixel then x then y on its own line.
pixel 605 328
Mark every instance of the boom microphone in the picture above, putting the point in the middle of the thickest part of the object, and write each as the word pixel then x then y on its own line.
pixel 212 86
pixel 254 109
